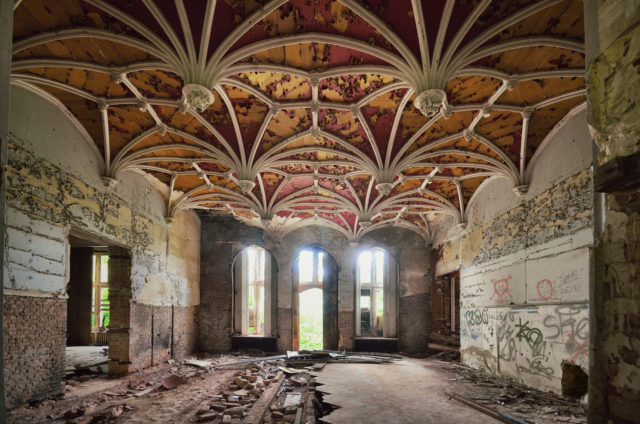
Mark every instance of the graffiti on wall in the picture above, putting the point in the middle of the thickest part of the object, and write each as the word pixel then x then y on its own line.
pixel 501 289
pixel 545 289
pixel 530 339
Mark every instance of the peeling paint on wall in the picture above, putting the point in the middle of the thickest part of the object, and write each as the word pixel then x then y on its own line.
pixel 45 201
pixel 524 287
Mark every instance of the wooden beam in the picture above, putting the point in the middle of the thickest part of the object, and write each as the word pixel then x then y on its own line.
pixel 619 174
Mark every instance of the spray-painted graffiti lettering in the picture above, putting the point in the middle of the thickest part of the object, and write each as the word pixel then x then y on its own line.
pixel 536 366
pixel 500 289
pixel 533 336
pixel 476 317
pixel 545 289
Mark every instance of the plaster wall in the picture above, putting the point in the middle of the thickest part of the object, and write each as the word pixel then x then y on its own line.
pixel 525 266
pixel 223 238
pixel 54 187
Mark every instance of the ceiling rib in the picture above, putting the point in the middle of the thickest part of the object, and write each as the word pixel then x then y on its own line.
pixel 432 70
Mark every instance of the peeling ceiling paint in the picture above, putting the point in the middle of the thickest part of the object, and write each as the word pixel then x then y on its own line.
pixel 313 112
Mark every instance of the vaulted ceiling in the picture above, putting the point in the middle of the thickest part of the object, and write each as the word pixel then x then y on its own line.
pixel 289 113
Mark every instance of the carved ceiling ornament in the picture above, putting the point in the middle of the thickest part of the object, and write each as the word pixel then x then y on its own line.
pixel 330 138
pixel 198 97
pixel 430 101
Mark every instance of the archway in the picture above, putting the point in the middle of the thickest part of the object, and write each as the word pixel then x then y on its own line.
pixel 315 300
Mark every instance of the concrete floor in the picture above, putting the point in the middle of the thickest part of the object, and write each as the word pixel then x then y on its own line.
pixel 85 355
pixel 404 392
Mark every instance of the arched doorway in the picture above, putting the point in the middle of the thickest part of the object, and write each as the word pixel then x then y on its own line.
pixel 315 300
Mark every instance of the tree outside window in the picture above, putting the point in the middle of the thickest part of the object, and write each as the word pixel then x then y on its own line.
pixel 100 307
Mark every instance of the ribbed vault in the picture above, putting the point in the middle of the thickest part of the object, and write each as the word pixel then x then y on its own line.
pixel 320 112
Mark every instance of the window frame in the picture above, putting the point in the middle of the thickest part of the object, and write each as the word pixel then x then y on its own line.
pixel 390 295
pixel 97 305
pixel 240 294
pixel 317 260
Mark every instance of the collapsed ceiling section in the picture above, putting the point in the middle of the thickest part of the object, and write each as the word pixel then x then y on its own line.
pixel 348 114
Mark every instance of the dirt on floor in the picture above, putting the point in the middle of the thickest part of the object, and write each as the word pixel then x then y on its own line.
pixel 208 390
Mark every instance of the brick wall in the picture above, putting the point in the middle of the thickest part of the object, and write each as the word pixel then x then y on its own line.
pixel 45 199
pixel 34 347
pixel 159 333
pixel 185 331
pixel 223 236
pixel 216 253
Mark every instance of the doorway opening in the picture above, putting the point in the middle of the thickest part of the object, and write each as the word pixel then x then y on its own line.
pixel 445 309
pixel 315 301
pixel 99 306
pixel 88 308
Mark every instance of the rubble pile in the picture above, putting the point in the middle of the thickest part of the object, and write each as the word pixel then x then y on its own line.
pixel 508 397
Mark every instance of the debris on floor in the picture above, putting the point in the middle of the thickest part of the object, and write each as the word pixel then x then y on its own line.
pixel 509 397
pixel 312 357
pixel 238 389
pixel 219 389
pixel 85 362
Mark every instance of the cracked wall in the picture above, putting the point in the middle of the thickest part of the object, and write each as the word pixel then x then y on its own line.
pixel 54 187
pixel 525 267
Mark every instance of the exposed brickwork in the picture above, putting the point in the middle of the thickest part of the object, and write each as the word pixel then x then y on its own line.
pixel 441 293
pixel 162 334
pixel 34 347
pixel 222 237
pixel 216 253
pixel 185 331
pixel 562 210
pixel 120 302
pixel 440 307
pixel 415 323
pixel 141 334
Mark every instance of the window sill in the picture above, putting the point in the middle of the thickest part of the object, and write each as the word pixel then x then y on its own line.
pixel 237 336
pixel 374 338
pixel 264 343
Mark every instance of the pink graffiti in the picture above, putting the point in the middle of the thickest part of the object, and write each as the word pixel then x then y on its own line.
pixel 501 288
pixel 545 289
pixel 581 349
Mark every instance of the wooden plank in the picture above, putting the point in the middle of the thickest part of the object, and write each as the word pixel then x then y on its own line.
pixel 486 410
pixel 619 174
pixel 256 415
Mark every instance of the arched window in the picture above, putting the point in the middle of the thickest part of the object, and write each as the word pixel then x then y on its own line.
pixel 315 300
pixel 253 292
pixel 376 294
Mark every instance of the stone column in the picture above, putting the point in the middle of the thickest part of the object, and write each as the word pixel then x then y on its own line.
pixel 120 303
pixel 613 54
pixel 6 30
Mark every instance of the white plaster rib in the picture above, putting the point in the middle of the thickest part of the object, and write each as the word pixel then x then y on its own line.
pixel 181 58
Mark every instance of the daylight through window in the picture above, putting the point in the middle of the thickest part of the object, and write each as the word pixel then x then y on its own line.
pixel 100 308
pixel 376 295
